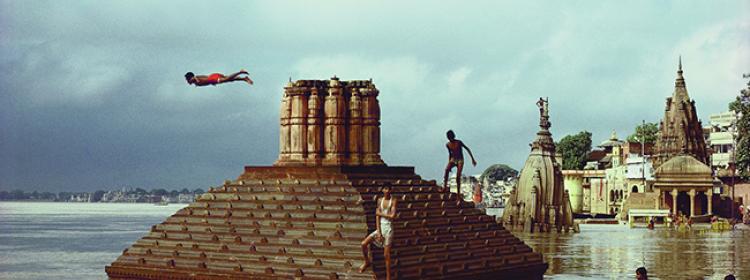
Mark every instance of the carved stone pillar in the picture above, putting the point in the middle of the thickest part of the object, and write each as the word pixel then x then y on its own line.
pixel 370 126
pixel 691 193
pixel 659 199
pixel 335 124
pixel 538 193
pixel 533 204
pixel 284 138
pixel 298 125
pixel 355 128
pixel 314 123
pixel 674 202
pixel 709 197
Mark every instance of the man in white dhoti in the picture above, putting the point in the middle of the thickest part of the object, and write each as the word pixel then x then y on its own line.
pixel 385 212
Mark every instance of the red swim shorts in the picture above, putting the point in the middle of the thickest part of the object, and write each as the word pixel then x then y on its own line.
pixel 214 78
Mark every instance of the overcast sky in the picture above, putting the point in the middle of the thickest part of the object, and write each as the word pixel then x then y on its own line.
pixel 93 95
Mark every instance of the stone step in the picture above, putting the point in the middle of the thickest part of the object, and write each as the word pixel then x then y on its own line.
pixel 263 267
pixel 239 223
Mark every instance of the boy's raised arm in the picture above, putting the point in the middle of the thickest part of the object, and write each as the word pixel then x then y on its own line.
pixel 473 162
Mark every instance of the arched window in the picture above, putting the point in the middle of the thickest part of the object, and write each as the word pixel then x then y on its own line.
pixel 635 189
pixel 611 195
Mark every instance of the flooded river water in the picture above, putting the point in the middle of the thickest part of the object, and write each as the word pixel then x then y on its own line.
pixel 76 240
pixel 615 251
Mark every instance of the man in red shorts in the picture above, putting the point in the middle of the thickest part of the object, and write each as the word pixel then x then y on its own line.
pixel 216 78
pixel 455 159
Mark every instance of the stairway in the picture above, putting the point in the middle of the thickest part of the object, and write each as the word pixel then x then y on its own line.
pixel 308 223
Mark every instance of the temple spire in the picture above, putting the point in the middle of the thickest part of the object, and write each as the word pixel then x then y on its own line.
pixel 681 131
pixel 543 105
pixel 680 81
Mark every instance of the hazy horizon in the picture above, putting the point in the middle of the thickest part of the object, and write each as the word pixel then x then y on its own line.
pixel 94 94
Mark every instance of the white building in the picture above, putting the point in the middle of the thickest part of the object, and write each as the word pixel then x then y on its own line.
pixel 720 138
pixel 639 171
pixel 467 190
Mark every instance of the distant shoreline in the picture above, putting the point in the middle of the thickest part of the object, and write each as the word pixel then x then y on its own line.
pixel 84 202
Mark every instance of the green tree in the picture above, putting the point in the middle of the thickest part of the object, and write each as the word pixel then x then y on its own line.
pixel 574 150
pixel 741 105
pixel 498 172
pixel 649 131
pixel 18 195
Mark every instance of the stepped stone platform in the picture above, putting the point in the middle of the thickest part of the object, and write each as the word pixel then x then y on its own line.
pixel 308 222
pixel 306 216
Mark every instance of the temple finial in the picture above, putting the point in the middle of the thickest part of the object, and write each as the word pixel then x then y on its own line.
pixel 680 81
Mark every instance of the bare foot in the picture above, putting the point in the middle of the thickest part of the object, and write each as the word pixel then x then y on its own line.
pixel 248 80
pixel 364 267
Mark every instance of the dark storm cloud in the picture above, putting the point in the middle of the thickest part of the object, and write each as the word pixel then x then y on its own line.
pixel 93 95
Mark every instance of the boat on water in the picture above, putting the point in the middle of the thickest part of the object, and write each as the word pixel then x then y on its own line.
pixel 702 218
pixel 162 203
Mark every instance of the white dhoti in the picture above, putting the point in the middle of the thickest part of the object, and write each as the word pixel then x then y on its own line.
pixel 387 237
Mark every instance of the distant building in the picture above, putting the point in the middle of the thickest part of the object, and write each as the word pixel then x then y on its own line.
pixel 467 188
pixel 640 170
pixel 603 185
pixel 720 139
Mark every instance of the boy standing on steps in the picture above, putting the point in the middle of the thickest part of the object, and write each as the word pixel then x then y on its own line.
pixel 455 158
pixel 385 212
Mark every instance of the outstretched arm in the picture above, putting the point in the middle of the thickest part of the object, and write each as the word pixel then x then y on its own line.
pixel 200 80
pixel 473 162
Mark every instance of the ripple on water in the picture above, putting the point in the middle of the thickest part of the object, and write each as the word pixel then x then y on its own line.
pixel 615 251
pixel 76 241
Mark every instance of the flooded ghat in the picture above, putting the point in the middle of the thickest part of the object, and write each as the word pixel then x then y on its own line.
pixel 615 251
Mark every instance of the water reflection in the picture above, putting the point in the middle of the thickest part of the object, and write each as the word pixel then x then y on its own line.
pixel 615 251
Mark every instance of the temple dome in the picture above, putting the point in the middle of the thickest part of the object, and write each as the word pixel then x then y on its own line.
pixel 684 164
pixel 611 142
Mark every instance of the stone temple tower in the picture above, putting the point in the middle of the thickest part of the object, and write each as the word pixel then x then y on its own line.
pixel 539 201
pixel 331 123
pixel 305 216
pixel 680 132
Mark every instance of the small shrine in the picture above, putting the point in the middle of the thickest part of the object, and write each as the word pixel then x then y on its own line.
pixel 539 203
